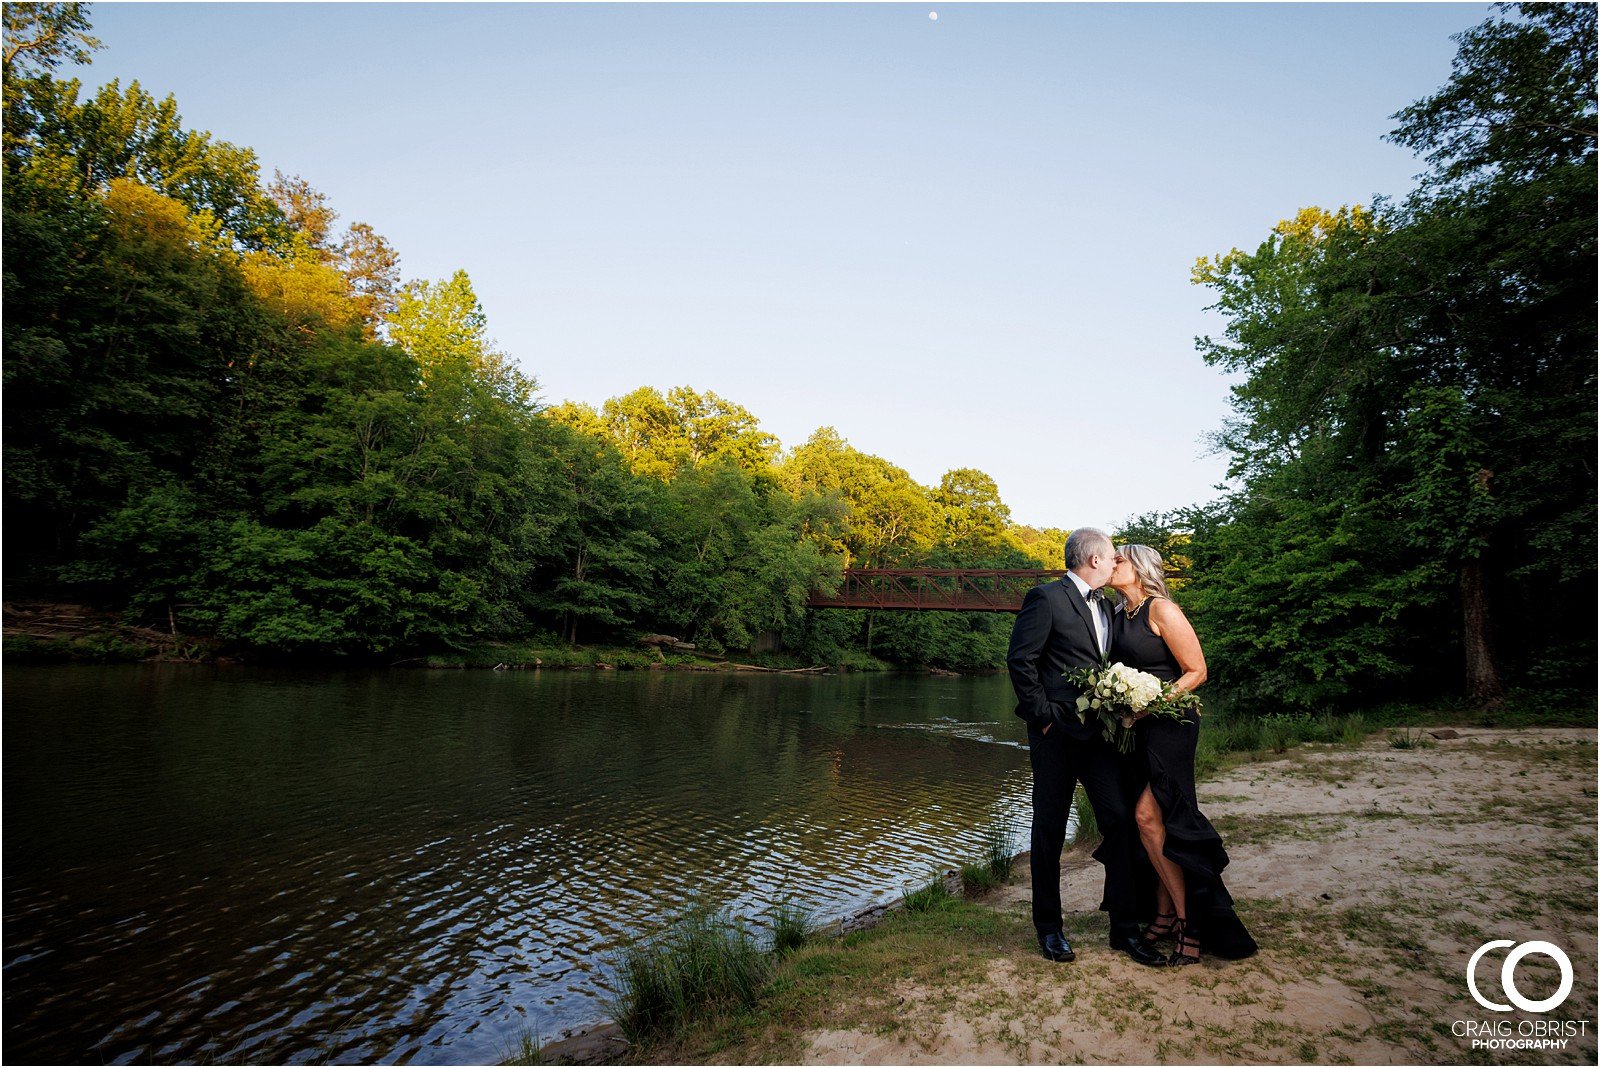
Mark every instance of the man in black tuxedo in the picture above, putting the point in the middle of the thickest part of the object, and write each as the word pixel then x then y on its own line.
pixel 1062 626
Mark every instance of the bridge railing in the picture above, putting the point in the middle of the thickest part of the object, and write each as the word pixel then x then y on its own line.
pixel 934 589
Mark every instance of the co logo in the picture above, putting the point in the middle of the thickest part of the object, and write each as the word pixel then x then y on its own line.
pixel 1508 975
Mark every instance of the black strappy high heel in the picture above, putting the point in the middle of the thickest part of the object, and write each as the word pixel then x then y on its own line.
pixel 1179 957
pixel 1163 929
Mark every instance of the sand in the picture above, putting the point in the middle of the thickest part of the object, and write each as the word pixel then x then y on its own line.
pixel 1368 874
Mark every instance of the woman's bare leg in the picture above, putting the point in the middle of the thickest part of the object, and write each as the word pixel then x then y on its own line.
pixel 1164 901
pixel 1153 833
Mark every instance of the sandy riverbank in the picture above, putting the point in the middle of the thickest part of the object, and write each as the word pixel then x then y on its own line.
pixel 1369 874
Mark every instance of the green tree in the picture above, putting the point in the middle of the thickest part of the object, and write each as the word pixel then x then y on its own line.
pixel 201 427
pixel 442 325
pixel 1520 100
pixel 83 145
pixel 974 515
pixel 303 288
pixel 123 335
pixel 595 546
pixel 380 517
pixel 228 418
pixel 662 435
pixel 1305 602
pixel 889 518
pixel 1041 547
pixel 733 561
pixel 1408 370
pixel 1169 534
pixel 39 37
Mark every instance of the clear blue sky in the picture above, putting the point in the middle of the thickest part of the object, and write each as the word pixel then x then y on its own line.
pixel 962 242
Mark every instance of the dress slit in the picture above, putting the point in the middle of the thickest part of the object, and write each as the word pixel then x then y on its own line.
pixel 1192 843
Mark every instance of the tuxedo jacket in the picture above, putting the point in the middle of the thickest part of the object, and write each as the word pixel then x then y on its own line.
pixel 1053 634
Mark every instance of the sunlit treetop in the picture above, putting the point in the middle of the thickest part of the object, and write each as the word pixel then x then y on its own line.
pixel 40 37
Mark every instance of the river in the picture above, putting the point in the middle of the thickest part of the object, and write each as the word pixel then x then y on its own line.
pixel 226 864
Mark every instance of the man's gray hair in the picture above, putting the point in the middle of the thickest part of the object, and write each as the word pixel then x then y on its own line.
pixel 1084 543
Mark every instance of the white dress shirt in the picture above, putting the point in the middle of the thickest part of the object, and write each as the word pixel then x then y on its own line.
pixel 1096 611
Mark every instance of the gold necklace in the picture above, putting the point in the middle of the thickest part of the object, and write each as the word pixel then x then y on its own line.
pixel 1131 612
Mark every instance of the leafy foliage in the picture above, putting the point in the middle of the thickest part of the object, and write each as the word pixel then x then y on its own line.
pixel 1409 370
pixel 225 413
pixel 1520 100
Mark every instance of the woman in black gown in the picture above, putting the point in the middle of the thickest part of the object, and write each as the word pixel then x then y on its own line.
pixel 1189 904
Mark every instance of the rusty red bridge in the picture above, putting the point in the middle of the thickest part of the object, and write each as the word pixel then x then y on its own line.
pixel 933 590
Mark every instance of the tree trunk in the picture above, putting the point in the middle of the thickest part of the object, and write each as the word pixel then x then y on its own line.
pixel 1483 678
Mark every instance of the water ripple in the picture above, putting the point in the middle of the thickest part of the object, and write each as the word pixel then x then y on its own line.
pixel 416 867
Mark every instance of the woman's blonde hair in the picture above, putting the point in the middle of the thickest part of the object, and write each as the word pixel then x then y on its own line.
pixel 1147 568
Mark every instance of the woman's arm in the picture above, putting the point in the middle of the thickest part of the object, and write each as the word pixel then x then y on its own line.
pixel 1168 620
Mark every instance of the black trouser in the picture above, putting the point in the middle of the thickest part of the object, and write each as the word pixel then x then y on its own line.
pixel 1059 763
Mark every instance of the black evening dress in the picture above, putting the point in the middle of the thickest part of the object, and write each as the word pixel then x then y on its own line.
pixel 1193 844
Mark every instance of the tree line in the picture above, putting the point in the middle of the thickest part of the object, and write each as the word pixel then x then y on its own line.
pixel 227 414
pixel 1413 442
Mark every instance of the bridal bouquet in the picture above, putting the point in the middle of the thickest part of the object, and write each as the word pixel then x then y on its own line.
pixel 1117 692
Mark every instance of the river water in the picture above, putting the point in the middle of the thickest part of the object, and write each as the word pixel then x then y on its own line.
pixel 224 864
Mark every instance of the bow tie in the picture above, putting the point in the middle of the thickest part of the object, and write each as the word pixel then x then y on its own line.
pixel 1095 597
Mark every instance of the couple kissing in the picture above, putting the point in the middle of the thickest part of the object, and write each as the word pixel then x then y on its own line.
pixel 1163 859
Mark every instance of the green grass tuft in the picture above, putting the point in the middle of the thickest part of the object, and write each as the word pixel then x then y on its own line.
pixel 978 878
pixel 1405 738
pixel 529 1049
pixel 791 927
pixel 1088 832
pixel 1001 841
pixel 706 962
pixel 1280 730
pixel 999 857
pixel 1224 734
pixel 1353 729
pixel 928 897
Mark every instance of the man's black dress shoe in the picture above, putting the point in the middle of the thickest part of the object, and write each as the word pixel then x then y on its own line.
pixel 1055 946
pixel 1140 952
